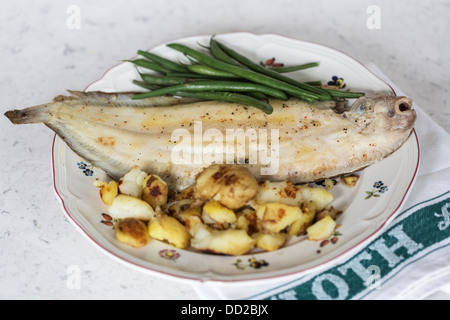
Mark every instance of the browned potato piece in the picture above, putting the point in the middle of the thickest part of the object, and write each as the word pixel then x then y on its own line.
pixel 321 229
pixel 247 220
pixel 275 217
pixel 108 191
pixel 132 232
pixel 154 191
pixel 217 215
pixel 299 226
pixel 168 229
pixel 231 185
pixel 269 242
pixel 124 206
pixel 131 183
pixel 190 218
pixel 229 241
pixel 350 180
pixel 329 184
pixel 279 191
pixel 319 196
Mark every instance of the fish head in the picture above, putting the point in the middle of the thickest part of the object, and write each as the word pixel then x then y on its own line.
pixel 394 113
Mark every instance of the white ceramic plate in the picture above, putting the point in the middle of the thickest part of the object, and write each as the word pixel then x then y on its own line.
pixel 368 207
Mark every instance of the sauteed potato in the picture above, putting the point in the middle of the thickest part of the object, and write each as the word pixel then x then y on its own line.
pixel 166 228
pixel 226 211
pixel 108 191
pixel 154 190
pixel 133 232
pixel 231 185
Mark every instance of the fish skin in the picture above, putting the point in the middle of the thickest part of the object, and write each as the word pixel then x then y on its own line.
pixel 115 133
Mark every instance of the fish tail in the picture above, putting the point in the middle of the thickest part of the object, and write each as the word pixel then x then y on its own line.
pixel 36 114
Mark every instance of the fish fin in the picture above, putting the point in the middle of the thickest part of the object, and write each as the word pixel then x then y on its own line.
pixel 99 98
pixel 123 99
pixel 74 92
pixel 99 94
pixel 78 94
pixel 62 98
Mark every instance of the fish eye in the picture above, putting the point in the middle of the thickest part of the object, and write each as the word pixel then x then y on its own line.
pixel 403 107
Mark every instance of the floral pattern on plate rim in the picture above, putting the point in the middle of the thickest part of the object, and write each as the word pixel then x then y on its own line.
pixel 253 262
pixel 337 81
pixel 378 188
pixel 169 254
pixel 87 168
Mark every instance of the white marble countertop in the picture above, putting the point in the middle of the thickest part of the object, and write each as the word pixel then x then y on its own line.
pixel 41 57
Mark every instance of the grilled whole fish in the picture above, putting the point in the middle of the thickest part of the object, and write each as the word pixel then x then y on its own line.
pixel 177 138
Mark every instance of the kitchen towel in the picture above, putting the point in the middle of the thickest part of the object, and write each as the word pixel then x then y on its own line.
pixel 409 260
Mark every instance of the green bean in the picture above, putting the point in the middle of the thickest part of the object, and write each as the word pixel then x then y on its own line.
pixel 148 65
pixel 166 63
pixel 145 85
pixel 189 75
pixel 345 94
pixel 316 83
pixel 163 80
pixel 219 54
pixel 230 86
pixel 222 96
pixel 294 68
pixel 209 71
pixel 257 95
pixel 320 93
pixel 245 73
